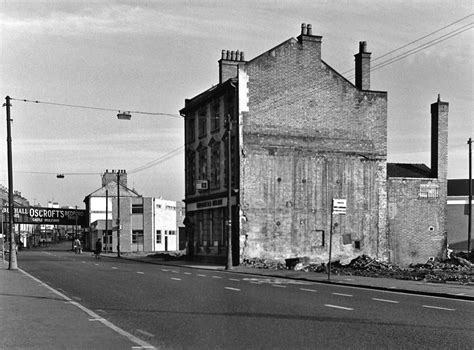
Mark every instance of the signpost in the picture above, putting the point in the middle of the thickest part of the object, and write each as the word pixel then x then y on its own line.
pixel 338 208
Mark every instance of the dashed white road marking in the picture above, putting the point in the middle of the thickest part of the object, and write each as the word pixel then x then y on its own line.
pixel 234 279
pixel 114 268
pixel 386 300
pixel 230 288
pixel 176 279
pixel 164 270
pixel 188 273
pixel 94 317
pixel 96 264
pixel 202 275
pixel 343 295
pixel 216 277
pixel 438 307
pixel 174 271
pixel 339 307
pixel 140 272
pixel 308 290
pixel 278 285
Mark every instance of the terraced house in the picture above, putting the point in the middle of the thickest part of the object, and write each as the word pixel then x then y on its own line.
pixel 298 135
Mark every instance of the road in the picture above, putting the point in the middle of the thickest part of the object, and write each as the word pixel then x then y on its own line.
pixel 187 308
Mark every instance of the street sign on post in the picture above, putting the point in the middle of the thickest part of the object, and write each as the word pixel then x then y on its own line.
pixel 339 206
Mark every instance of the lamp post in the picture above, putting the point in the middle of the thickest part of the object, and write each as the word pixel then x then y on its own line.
pixel 229 263
pixel 12 262
pixel 118 213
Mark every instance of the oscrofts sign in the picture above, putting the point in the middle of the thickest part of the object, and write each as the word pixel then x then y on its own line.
pixel 53 216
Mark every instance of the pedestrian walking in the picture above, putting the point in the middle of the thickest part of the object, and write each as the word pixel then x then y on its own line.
pixel 77 246
pixel 98 248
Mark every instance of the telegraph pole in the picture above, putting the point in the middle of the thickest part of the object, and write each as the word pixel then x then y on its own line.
pixel 118 213
pixel 12 262
pixel 229 264
pixel 469 204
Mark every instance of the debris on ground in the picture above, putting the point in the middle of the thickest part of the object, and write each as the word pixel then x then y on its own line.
pixel 458 268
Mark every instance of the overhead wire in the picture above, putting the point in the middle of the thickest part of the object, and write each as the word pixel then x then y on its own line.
pixel 419 48
pixel 95 108
pixel 417 40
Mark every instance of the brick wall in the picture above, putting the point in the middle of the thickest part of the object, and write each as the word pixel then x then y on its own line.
pixel 417 224
pixel 309 136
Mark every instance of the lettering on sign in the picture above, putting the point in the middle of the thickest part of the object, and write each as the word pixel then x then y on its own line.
pixel 339 206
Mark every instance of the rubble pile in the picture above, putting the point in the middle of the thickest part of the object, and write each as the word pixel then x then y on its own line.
pixel 258 263
pixel 458 268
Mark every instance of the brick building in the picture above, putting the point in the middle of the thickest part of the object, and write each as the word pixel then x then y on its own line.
pixel 301 136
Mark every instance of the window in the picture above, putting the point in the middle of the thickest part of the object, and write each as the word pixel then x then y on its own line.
pixel 137 236
pixel 137 208
pixel 191 169
pixel 202 120
pixel 215 116
pixel 171 232
pixel 202 172
pixel 215 173
pixel 158 236
pixel 191 129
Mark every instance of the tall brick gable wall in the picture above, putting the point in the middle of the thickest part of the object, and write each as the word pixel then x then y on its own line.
pixel 308 135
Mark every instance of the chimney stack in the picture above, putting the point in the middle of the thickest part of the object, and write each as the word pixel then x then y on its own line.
pixel 229 64
pixel 439 139
pixel 310 41
pixel 362 67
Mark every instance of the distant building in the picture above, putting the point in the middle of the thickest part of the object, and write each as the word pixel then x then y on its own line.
pixel 300 136
pixel 146 224
pixel 458 214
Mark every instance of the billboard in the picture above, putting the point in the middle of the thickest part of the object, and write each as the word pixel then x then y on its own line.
pixel 49 216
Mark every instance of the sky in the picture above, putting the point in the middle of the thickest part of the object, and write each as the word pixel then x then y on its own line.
pixel 148 56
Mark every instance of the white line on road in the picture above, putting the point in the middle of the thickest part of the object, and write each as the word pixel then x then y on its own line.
pixel 176 279
pixel 96 264
pixel 437 307
pixel 234 279
pixel 343 295
pixel 278 285
pixel 339 307
pixel 230 288
pixel 202 275
pixel 174 271
pixel 97 319
pixel 386 300
pixel 188 273
pixel 164 270
pixel 308 290
pixel 94 316
pixel 216 277
pixel 145 333
pixel 140 273
pixel 115 268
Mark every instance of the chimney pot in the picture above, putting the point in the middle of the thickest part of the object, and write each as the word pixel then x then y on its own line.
pixel 303 29
pixel 362 46
pixel 242 56
pixel 310 30
pixel 227 55
pixel 223 54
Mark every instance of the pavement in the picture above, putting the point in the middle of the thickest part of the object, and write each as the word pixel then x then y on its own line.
pixel 32 312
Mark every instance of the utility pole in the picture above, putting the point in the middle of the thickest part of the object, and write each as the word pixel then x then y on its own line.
pixel 469 204
pixel 118 213
pixel 229 264
pixel 12 262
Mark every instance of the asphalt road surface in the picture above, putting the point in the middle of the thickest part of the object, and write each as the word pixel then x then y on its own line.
pixel 187 308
